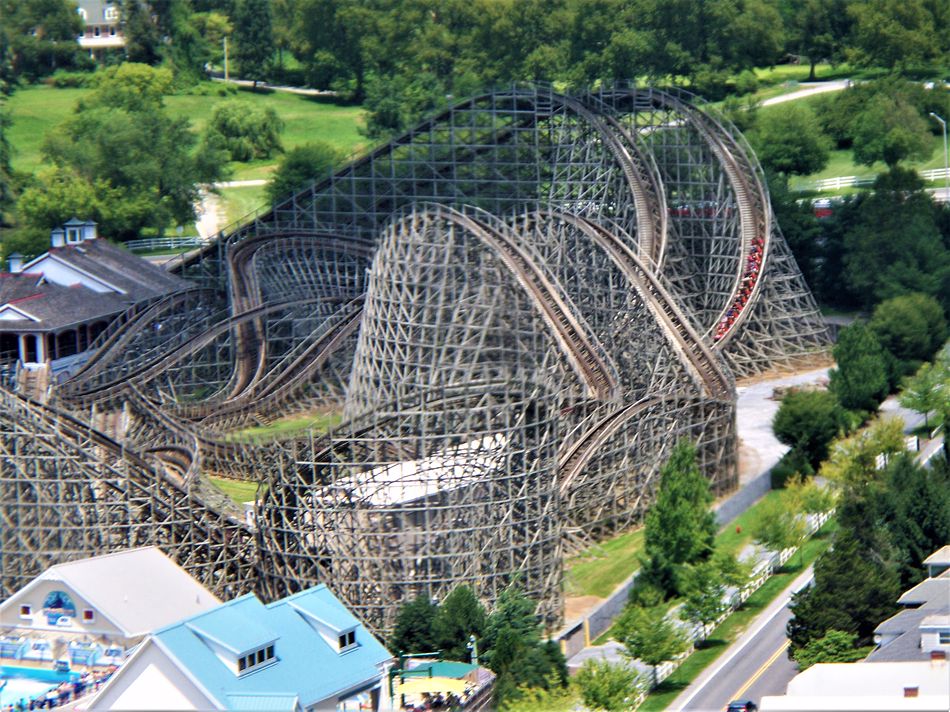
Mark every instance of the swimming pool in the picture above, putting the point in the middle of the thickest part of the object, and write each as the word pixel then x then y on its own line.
pixel 28 683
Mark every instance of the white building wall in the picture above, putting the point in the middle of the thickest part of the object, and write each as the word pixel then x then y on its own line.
pixel 150 681
pixel 62 274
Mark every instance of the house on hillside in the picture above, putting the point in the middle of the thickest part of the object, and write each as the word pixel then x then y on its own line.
pixel 102 29
pixel 54 306
pixel 92 611
pixel 303 653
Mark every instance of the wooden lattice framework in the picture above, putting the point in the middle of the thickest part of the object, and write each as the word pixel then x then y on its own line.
pixel 519 306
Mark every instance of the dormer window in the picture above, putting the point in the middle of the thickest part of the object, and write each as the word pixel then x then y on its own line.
pixel 255 659
pixel 347 640
pixel 73 236
pixel 111 14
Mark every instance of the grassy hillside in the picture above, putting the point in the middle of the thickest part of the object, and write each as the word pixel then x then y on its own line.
pixel 38 109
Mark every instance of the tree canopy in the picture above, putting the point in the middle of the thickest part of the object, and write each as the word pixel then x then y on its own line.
pixel 809 421
pixel 860 381
pixel 789 140
pixel 680 528
pixel 141 167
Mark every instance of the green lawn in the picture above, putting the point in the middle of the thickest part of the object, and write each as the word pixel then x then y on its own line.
pixel 320 422
pixel 239 202
pixel 731 628
pixel 239 490
pixel 35 110
pixel 603 567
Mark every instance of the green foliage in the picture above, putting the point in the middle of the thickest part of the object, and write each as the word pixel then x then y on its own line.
pixel 792 464
pixel 679 526
pixel 808 421
pixel 414 631
pixel 552 698
pixel 647 634
pixel 893 247
pixel 911 327
pixel 852 461
pixel 394 104
pixel 460 615
pixel 245 131
pixel 301 166
pixel 253 38
pixel 513 649
pixel 928 391
pixel 779 524
pixel 143 38
pixel 789 140
pixel 612 687
pixel 890 129
pixel 835 646
pixel 855 588
pixel 917 513
pixel 705 595
pixel 39 37
pixel 122 160
pixel 7 189
pixel 898 34
pixel 132 87
pixel 819 30
pixel 861 379
pixel 812 498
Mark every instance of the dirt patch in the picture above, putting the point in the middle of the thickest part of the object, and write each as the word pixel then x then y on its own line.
pixel 749 461
pixel 578 606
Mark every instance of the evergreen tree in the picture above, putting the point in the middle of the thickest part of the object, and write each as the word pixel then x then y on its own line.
pixel 855 588
pixel 680 528
pixel 861 379
pixel 415 627
pixel 917 513
pixel 143 39
pixel 460 616
pixel 253 38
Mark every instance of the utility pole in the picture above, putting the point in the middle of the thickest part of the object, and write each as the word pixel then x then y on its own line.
pixel 225 59
pixel 946 157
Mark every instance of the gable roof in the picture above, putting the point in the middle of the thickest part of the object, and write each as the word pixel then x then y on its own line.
pixel 136 277
pixel 139 590
pixel 300 650
pixel 52 306
pixel 56 306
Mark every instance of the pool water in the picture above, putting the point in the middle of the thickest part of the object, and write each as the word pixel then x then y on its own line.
pixel 28 683
pixel 18 688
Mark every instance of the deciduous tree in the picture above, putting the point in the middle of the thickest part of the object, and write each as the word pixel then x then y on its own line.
pixel 648 635
pixel 705 596
pixel 789 140
pixel 253 38
pixel 414 631
pixel 607 686
pixel 300 166
pixel 809 421
pixel 835 646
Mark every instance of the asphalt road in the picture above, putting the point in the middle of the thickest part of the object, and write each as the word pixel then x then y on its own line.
pixel 755 666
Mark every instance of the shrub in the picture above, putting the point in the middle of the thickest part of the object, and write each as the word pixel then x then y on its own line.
pixel 247 132
pixel 808 421
pixel 793 463
pixel 72 80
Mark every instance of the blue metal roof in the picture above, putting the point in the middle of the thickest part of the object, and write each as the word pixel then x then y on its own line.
pixel 300 650
pixel 233 627
pixel 320 604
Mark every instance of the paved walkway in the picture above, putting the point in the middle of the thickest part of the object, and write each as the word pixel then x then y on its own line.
pixel 809 89
pixel 755 409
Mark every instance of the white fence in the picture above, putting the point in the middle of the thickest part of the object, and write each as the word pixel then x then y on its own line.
pixel 850 181
pixel 763 570
pixel 154 244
